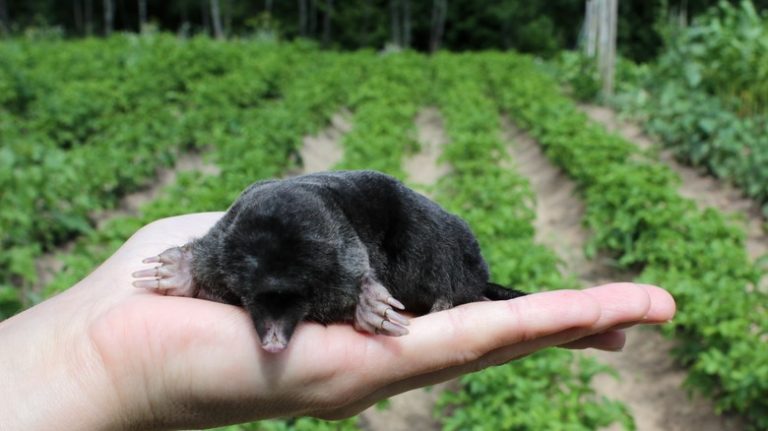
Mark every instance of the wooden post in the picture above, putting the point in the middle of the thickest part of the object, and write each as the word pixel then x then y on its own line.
pixel 600 26
pixel 590 28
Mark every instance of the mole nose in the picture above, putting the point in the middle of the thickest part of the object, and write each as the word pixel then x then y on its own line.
pixel 273 340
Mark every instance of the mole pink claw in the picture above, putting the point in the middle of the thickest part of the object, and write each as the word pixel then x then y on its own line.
pixel 375 313
pixel 172 277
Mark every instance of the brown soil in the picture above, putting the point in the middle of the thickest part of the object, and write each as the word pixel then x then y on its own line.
pixel 413 410
pixel 650 383
pixel 424 168
pixel 323 151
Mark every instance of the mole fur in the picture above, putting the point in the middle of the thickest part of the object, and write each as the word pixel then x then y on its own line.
pixel 345 246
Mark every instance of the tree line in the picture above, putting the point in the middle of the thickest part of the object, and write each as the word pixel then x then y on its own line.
pixel 543 27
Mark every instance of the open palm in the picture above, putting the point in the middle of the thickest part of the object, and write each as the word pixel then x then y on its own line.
pixel 175 361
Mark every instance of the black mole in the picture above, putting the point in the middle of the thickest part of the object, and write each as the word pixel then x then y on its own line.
pixel 330 247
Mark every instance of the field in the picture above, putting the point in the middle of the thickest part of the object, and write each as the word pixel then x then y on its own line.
pixel 556 199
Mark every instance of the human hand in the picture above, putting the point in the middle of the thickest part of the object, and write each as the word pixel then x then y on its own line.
pixel 106 355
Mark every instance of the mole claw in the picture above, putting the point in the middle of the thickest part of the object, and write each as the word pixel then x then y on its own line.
pixel 152 272
pixel 394 316
pixel 393 329
pixel 153 259
pixel 395 303
pixel 147 284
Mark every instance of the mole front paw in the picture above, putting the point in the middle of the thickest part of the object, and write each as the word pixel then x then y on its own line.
pixel 374 312
pixel 173 276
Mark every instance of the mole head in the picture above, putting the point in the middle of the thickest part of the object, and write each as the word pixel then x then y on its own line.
pixel 271 272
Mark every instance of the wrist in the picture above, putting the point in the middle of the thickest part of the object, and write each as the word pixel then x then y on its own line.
pixel 52 372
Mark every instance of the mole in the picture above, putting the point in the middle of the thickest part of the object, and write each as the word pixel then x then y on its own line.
pixel 343 246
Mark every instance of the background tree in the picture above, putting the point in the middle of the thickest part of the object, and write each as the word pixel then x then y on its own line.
pixel 439 12
pixel 543 27
pixel 109 16
pixel 218 30
pixel 4 21
pixel 327 22
pixel 394 22
pixel 142 14
pixel 406 22
pixel 303 30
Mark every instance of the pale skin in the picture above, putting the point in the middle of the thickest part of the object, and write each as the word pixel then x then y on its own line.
pixel 106 355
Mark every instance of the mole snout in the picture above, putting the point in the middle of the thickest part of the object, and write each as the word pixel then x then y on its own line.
pixel 273 338
pixel 347 246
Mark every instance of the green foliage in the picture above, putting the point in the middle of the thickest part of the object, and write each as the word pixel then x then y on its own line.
pixel 725 54
pixel 635 213
pixel 549 390
pixel 578 73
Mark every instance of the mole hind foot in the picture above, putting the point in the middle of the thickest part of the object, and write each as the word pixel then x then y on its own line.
pixel 173 276
pixel 374 312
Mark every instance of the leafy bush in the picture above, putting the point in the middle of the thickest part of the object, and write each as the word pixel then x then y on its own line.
pixel 723 53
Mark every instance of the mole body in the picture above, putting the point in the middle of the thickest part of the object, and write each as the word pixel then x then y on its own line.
pixel 330 247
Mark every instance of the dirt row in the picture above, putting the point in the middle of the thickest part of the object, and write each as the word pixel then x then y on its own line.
pixel 649 381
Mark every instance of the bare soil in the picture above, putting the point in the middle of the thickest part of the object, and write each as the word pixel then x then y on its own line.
pixel 650 382
pixel 323 151
pixel 413 410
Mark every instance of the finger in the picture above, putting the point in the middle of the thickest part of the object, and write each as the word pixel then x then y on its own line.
pixel 620 303
pixel 465 333
pixel 663 305
pixel 612 341
pixel 471 337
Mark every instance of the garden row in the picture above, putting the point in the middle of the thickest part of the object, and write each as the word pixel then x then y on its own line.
pixel 83 124
pixel 385 104
pixel 635 213
pixel 551 389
